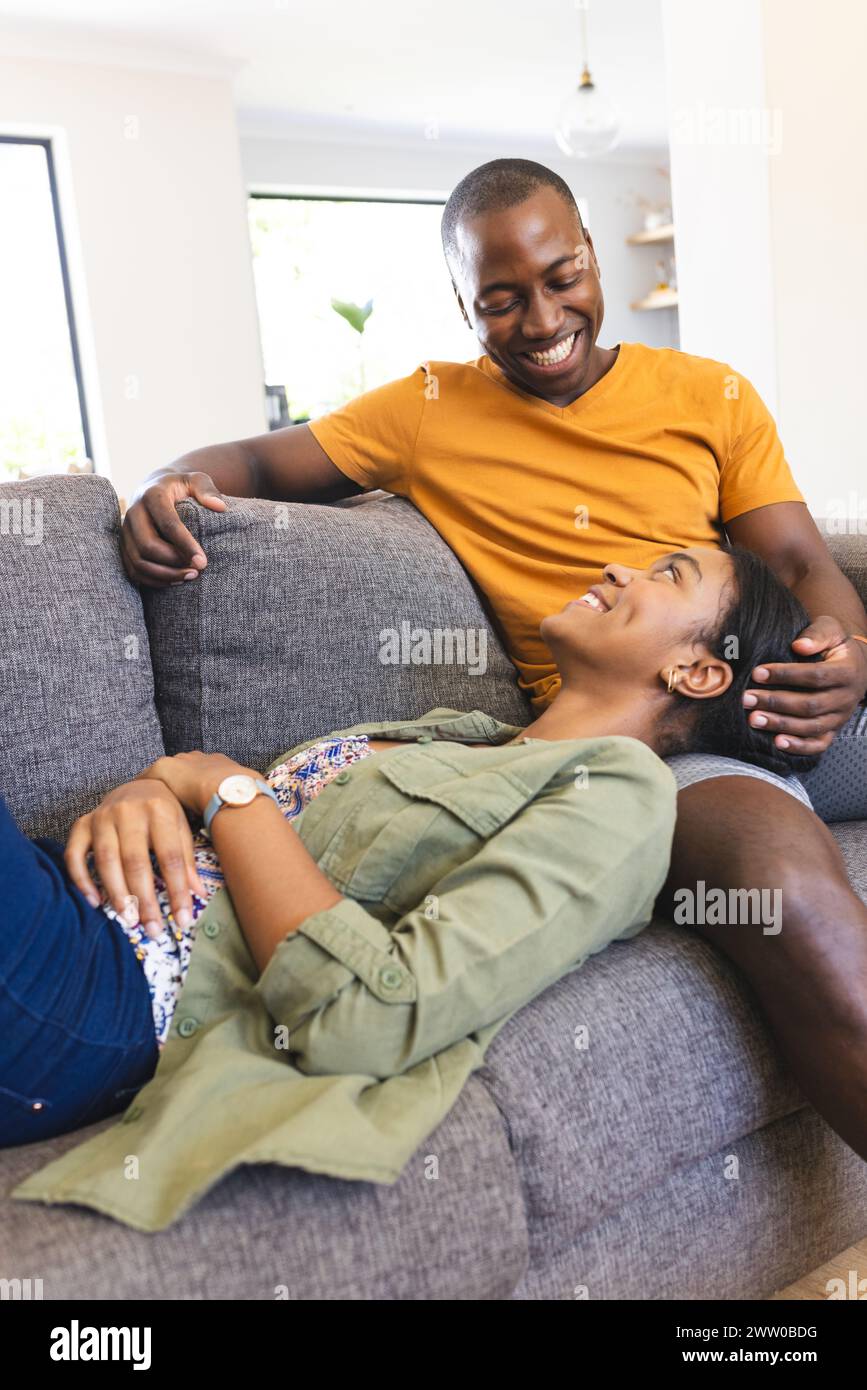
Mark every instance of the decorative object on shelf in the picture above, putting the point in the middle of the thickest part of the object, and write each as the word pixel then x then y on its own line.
pixel 664 293
pixel 663 297
pixel 657 229
pixel 661 273
pixel 657 218
pixel 588 124
pixel 655 214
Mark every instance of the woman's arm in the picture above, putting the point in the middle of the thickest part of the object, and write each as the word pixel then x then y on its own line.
pixel 273 881
pixel 578 867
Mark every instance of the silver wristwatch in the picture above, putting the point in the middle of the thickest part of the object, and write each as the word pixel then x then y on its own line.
pixel 236 790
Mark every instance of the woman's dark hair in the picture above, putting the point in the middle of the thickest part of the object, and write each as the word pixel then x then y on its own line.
pixel 758 621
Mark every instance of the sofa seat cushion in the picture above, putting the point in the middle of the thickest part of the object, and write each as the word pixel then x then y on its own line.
pixel 851 836
pixel 451 1227
pixel 678 1063
pixel 799 1199
pixel 75 673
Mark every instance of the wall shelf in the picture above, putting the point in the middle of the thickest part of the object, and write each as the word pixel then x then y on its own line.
pixel 657 299
pixel 665 233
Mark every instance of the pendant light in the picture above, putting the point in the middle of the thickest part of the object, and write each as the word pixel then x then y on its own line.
pixel 588 124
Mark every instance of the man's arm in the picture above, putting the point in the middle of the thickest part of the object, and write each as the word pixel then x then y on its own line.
pixel 287 465
pixel 806 721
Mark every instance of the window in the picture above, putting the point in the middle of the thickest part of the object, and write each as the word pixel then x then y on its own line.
pixel 43 422
pixel 377 254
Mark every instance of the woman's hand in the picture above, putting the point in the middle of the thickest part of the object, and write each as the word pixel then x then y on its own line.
pixel 128 823
pixel 194 777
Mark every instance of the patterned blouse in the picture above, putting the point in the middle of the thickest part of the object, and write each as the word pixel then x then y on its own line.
pixel 165 960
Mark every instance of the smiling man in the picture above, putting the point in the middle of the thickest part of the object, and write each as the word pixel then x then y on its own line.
pixel 544 460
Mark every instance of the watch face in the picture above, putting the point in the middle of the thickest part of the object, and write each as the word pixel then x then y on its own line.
pixel 237 790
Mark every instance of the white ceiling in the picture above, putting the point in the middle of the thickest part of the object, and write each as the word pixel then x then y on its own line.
pixel 478 68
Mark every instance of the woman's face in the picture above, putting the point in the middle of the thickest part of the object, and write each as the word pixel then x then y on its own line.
pixel 637 624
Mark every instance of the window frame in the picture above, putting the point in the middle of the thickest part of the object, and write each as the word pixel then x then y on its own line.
pixel 47 145
pixel 296 196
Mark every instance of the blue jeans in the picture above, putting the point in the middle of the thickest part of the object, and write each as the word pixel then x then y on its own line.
pixel 76 1028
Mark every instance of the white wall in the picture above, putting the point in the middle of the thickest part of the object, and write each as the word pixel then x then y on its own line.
pixel 429 167
pixel 719 184
pixel 814 61
pixel 770 221
pixel 156 231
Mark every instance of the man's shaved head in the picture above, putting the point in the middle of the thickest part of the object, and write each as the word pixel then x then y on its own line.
pixel 526 278
pixel 502 183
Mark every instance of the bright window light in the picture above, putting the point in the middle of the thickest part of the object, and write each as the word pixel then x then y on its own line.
pixel 42 426
pixel 308 252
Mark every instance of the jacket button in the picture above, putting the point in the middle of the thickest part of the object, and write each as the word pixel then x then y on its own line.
pixel 342 776
pixel 425 738
pixel 211 929
pixel 187 1027
pixel 390 978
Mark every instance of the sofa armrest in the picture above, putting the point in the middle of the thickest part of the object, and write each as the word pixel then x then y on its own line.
pixel 75 675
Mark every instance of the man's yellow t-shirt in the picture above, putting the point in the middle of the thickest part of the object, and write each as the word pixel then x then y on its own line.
pixel 535 498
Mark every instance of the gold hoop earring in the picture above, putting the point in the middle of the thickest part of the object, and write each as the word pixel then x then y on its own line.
pixel 673 678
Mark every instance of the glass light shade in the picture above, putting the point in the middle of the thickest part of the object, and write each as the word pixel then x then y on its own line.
pixel 588 124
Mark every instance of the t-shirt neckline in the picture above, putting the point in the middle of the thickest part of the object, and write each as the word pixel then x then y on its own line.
pixel 599 388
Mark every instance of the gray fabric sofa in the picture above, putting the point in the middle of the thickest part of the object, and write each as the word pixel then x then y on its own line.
pixel 562 1173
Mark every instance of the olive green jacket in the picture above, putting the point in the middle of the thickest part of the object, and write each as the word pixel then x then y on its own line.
pixel 473 879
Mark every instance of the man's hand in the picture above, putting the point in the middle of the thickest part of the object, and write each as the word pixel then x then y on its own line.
pixel 128 823
pixel 155 545
pixel 807 719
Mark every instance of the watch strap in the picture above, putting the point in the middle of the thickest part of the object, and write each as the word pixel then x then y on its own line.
pixel 216 802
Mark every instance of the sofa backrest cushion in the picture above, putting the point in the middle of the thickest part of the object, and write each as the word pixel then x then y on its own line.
pixel 285 634
pixel 76 688
pixel 846 538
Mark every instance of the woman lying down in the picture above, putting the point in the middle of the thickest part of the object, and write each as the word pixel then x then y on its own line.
pixel 311 978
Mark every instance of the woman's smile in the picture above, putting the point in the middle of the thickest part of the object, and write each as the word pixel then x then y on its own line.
pixel 593 599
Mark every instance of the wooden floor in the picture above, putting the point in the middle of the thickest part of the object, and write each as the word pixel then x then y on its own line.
pixel 851 1267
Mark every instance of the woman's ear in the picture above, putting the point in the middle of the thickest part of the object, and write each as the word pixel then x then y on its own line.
pixel 706 678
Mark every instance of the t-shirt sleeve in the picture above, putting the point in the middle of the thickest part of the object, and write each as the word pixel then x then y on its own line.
pixel 372 439
pixel 755 472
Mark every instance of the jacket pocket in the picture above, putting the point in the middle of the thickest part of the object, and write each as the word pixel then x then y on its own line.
pixel 484 799
pixel 431 818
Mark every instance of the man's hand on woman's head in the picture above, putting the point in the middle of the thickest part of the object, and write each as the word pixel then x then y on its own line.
pixel 155 545
pixel 131 821
pixel 808 718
